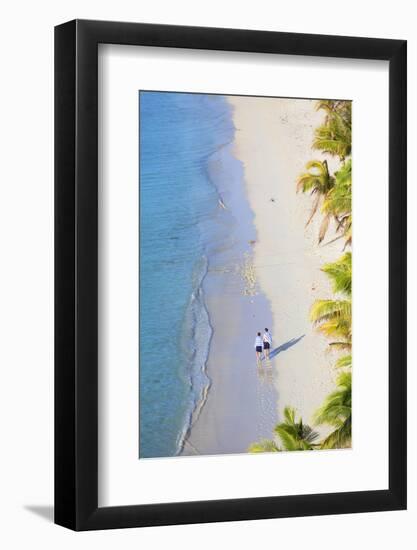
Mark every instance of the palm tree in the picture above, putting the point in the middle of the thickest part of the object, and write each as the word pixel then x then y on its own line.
pixel 333 194
pixel 337 412
pixel 338 201
pixel 318 181
pixel 341 106
pixel 333 138
pixel 334 317
pixel 294 436
pixel 335 135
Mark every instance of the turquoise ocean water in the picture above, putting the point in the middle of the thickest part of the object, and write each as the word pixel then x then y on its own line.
pixel 179 133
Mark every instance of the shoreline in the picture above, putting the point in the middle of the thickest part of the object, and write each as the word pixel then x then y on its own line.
pixel 199 389
pixel 222 425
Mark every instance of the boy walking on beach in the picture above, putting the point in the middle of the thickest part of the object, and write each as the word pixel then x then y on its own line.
pixel 258 347
pixel 267 341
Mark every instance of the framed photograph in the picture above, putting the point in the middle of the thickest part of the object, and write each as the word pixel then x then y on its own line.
pixel 230 248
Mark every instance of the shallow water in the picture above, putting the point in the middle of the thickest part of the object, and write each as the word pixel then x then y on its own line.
pixel 179 206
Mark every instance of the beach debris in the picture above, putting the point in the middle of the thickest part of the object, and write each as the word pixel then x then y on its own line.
pixel 221 203
pixel 272 199
pixel 248 274
pixel 252 242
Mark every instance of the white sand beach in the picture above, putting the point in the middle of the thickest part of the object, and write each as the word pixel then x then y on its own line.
pixel 273 141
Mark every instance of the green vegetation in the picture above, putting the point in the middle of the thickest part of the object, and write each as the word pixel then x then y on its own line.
pixel 293 435
pixel 334 136
pixel 318 181
pixel 336 411
pixel 332 316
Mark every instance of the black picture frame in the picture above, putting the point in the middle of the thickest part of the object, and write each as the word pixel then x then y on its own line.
pixel 76 273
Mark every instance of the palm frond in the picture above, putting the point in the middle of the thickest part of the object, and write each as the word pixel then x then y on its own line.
pixel 342 346
pixel 337 406
pixel 337 328
pixel 288 440
pixel 337 411
pixel 325 310
pixel 340 273
pixel 339 438
pixel 264 446
pixel 334 136
pixel 289 415
pixel 344 362
pixel 317 178
pixel 338 201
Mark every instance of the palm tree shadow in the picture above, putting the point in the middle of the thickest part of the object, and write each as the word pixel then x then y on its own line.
pixel 285 346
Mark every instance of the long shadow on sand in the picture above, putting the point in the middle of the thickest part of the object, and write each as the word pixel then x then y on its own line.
pixel 284 347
